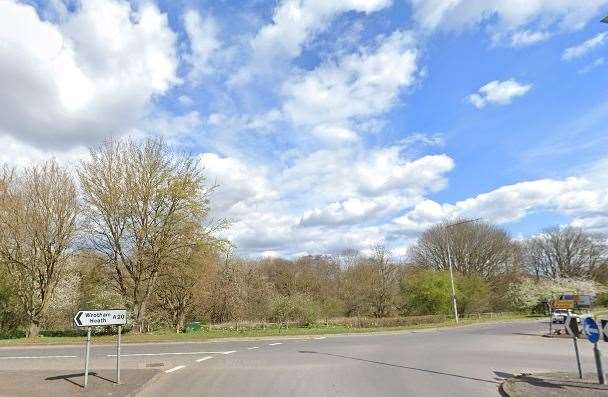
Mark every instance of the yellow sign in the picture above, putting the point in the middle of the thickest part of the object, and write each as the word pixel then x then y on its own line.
pixel 563 304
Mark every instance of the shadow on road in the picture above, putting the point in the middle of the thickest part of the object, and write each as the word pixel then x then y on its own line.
pixel 402 366
pixel 69 377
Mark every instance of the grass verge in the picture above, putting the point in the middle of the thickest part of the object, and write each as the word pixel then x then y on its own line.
pixel 204 335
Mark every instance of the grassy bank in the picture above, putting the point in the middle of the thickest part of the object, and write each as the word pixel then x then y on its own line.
pixel 268 330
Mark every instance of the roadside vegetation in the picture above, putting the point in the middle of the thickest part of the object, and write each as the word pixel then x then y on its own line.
pixel 130 226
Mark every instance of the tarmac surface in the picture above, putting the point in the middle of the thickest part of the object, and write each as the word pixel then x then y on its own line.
pixel 461 361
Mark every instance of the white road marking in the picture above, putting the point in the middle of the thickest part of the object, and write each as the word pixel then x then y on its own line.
pixel 252 348
pixel 175 369
pixel 32 357
pixel 168 354
pixel 204 358
pixel 229 352
pixel 321 337
pixel 274 344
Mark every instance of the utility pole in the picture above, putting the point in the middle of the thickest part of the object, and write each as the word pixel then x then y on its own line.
pixel 447 227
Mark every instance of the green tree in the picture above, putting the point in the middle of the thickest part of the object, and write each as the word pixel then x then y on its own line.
pixel 426 292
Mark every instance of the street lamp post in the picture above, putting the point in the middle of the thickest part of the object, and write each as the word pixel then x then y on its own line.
pixel 450 264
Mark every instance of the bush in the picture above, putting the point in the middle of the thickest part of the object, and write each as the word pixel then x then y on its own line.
pixel 298 307
pixel 427 292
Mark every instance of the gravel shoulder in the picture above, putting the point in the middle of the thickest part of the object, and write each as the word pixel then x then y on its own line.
pixel 553 384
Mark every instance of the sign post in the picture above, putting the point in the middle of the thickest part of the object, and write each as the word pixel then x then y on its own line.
pixel 86 359
pixel 593 335
pixel 118 355
pixel 571 326
pixel 90 318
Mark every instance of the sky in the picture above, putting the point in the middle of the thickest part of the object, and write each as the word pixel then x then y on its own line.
pixel 328 124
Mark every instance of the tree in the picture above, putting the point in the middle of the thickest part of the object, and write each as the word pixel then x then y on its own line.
pixel 144 208
pixel 566 252
pixel 38 211
pixel 384 282
pixel 426 292
pixel 371 285
pixel 180 284
pixel 530 292
pixel 476 248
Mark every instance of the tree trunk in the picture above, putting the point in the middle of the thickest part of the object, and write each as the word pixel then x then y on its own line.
pixel 181 320
pixel 139 314
pixel 34 329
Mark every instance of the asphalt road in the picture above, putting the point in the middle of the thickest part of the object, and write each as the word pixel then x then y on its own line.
pixel 464 361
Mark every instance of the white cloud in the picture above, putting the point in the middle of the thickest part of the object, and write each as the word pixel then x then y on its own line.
pixel 204 43
pixel 577 197
pixel 597 63
pixel 240 185
pixel 355 87
pixel 18 154
pixel 286 207
pixel 93 74
pixel 528 37
pixel 585 47
pixel 506 17
pixel 295 22
pixel 498 93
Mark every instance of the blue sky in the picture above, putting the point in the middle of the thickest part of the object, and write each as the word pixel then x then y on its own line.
pixel 329 124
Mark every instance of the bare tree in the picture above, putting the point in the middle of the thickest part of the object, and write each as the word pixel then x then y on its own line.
pixel 384 281
pixel 371 285
pixel 565 252
pixel 38 211
pixel 145 207
pixel 476 248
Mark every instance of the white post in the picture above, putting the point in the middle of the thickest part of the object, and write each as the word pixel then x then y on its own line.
pixel 118 355
pixel 86 359
pixel 452 281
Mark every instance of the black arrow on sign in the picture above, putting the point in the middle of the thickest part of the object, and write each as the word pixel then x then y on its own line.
pixel 77 318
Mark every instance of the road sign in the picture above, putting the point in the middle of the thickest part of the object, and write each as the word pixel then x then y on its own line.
pixel 571 326
pixel 591 330
pixel 91 318
pixel 563 304
pixel 605 329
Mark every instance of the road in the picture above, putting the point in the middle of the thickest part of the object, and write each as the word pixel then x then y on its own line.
pixel 463 361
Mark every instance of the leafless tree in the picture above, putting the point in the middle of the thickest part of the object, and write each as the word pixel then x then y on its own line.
pixel 566 252
pixel 371 284
pixel 478 248
pixel 144 208
pixel 384 281
pixel 38 212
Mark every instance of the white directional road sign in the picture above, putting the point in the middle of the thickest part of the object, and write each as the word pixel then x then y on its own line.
pixel 90 318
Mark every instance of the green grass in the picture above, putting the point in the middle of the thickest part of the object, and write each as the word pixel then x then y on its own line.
pixel 203 335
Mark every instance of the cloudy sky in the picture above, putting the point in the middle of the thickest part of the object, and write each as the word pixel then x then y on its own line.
pixel 329 123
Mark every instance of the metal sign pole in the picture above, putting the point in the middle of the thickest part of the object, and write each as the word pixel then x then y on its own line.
pixel 578 358
pixel 598 363
pixel 571 326
pixel 118 355
pixel 86 360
